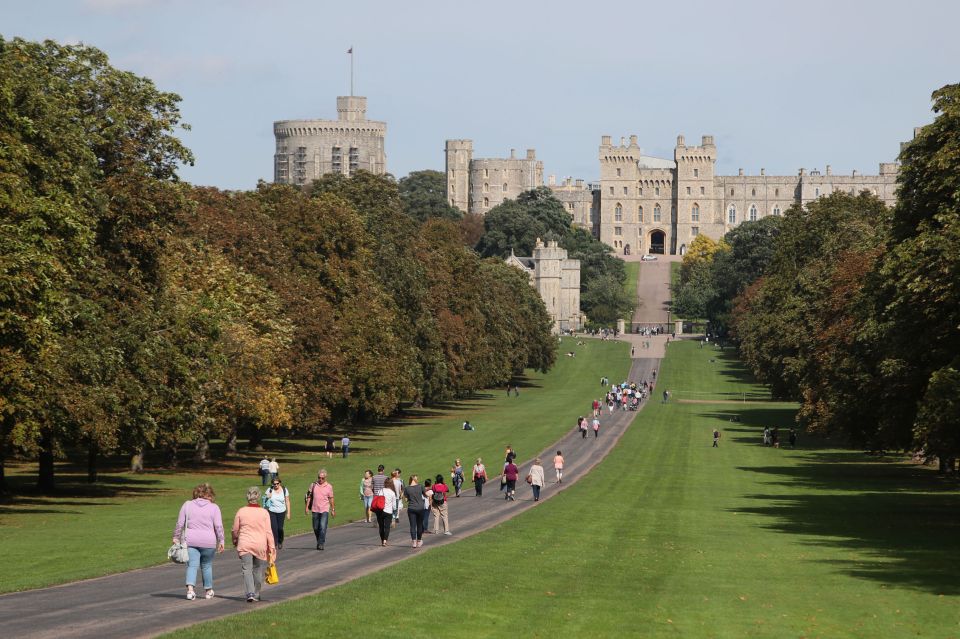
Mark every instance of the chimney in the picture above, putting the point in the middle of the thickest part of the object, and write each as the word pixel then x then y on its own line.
pixel 740 172
pixel 707 140
pixel 803 172
pixel 513 154
pixel 854 173
pixel 680 141
pixel 531 154
pixel 763 171
pixel 829 170
pixel 579 183
pixel 552 180
pixel 633 140
pixel 605 140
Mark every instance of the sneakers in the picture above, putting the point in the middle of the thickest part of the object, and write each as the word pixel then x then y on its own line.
pixel 251 597
pixel 209 595
pixel 448 533
pixel 191 595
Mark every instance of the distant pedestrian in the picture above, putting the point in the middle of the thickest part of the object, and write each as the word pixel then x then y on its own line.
pixel 716 438
pixel 277 502
pixel 273 468
pixel 427 505
pixel 397 488
pixel 510 474
pixel 200 526
pixel 439 504
pixel 516 390
pixel 345 446
pixel 536 478
pixel 385 516
pixel 456 476
pixel 510 455
pixel 479 476
pixel 320 506
pixel 666 396
pixel 329 447
pixel 582 426
pixel 254 543
pixel 558 466
pixel 793 438
pixel 596 428
pixel 264 470
pixel 413 495
pixel 633 351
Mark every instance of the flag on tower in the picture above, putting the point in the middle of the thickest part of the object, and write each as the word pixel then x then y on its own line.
pixel 350 50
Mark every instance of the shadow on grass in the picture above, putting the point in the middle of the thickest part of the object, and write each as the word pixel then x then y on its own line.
pixel 902 521
pixel 72 490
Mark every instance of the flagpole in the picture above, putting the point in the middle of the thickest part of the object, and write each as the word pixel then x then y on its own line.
pixel 351 70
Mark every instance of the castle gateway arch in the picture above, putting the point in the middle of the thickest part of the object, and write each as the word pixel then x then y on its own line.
pixel 658 240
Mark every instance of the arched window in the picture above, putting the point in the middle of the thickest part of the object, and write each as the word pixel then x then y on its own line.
pixel 618 213
pixel 656 190
pixel 776 211
pixel 486 202
pixel 753 192
pixel 504 187
pixel 732 215
pixel 639 214
pixel 486 187
pixel 817 192
pixel 753 213
pixel 776 193
pixel 731 191
pixel 695 213
pixel 656 213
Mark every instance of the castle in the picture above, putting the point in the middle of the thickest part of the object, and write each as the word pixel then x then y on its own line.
pixel 645 204
pixel 307 149
pixel 557 279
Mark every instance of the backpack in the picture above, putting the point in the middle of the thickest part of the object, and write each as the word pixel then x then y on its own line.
pixel 437 498
pixel 308 498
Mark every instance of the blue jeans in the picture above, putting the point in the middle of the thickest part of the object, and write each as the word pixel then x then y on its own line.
pixel 320 521
pixel 426 519
pixel 201 558
pixel 345 450
pixel 536 492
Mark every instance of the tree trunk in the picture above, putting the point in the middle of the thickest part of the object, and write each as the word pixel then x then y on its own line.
pixel 232 442
pixel 256 439
pixel 172 460
pixel 136 460
pixel 45 474
pixel 92 454
pixel 201 453
pixel 3 460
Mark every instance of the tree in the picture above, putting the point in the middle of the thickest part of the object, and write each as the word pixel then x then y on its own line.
pixel 517 224
pixel 424 196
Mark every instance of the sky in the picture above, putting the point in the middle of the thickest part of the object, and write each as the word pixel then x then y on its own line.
pixel 780 85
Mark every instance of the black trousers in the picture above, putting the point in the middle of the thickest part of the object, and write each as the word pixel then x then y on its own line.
pixel 384 521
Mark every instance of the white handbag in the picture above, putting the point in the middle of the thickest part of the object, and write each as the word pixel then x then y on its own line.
pixel 178 553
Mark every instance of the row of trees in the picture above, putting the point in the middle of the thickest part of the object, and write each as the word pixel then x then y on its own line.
pixel 852 308
pixel 138 312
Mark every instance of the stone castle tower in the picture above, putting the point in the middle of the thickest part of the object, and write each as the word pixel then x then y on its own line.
pixel 459 154
pixel 307 149
pixel 556 278
pixel 476 185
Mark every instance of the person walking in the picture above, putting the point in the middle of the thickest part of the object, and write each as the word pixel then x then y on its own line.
pixel 456 476
pixel 385 516
pixel 200 526
pixel 582 426
pixel 479 476
pixel 397 488
pixel 511 473
pixel 716 438
pixel 254 543
pixel 264 470
pixel 345 446
pixel 536 478
pixel 379 480
pixel 439 504
pixel 596 427
pixel 413 495
pixel 427 506
pixel 510 455
pixel 366 494
pixel 320 506
pixel 329 447
pixel 274 469
pixel 558 466
pixel 277 502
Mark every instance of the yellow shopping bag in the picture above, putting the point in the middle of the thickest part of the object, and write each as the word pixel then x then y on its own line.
pixel 272 576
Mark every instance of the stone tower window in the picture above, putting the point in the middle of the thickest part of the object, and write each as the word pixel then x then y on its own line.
pixel 618 213
pixel 776 193
pixel 639 214
pixel 486 202
pixel 753 192
pixel 611 190
pixel 695 213
pixel 656 213
pixel 504 187
pixel 817 192
pixel 625 191
pixel 486 173
pixel 640 190
pixel 731 191
pixel 656 191
pixel 703 191
pixel 753 213
pixel 776 211
pixel 694 231
pixel 618 230
pixel 618 172
pixel 732 215
pixel 696 173
pixel 688 190
pixel 486 187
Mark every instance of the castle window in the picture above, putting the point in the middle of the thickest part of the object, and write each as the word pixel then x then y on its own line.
pixel 776 211
pixel 618 214
pixel 639 214
pixel 504 187
pixel 611 190
pixel 696 173
pixel 640 232
pixel 695 213
pixel 753 192
pixel 731 191
pixel 694 231
pixel 656 191
pixel 486 173
pixel 656 213
pixel 570 206
pixel 776 193
pixel 817 192
pixel 618 172
pixel 486 187
pixel 486 202
pixel 732 215
pixel 753 213
pixel 688 190
pixel 703 191
pixel 618 230
pixel 640 190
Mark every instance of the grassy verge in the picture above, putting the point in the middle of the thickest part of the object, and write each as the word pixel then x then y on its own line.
pixel 48 540
pixel 630 285
pixel 670 537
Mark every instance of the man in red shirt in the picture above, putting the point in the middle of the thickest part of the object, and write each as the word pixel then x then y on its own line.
pixel 320 504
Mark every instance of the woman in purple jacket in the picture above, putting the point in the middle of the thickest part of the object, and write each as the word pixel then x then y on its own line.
pixel 200 526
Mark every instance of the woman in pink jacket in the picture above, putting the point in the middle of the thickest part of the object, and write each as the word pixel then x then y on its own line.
pixel 200 527
pixel 253 539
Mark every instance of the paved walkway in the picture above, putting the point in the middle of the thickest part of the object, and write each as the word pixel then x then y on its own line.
pixel 148 602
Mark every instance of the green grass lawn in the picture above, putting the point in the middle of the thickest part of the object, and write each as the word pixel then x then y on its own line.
pixel 669 537
pixel 126 521
pixel 630 284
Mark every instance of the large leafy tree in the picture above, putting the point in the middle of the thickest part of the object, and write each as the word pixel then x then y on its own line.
pixel 424 196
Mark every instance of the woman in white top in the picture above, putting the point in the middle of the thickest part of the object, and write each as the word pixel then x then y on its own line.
pixel 385 516
pixel 536 478
pixel 277 502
